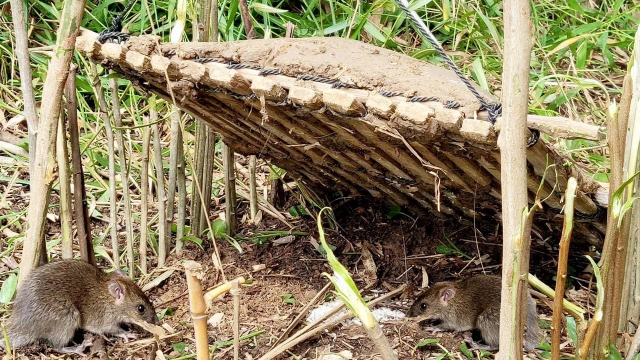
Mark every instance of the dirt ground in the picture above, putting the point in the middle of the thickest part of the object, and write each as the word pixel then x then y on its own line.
pixel 404 249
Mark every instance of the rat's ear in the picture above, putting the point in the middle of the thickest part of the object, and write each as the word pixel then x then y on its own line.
pixel 119 273
pixel 117 291
pixel 447 294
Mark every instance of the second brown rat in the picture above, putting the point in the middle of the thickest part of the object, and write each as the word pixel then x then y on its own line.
pixel 63 296
pixel 471 304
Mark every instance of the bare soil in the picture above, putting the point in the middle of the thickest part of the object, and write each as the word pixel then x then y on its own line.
pixel 401 247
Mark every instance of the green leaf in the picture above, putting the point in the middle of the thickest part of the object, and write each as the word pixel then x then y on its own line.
pixel 219 228
pixel 465 350
pixel 619 208
pixel 393 212
pixel 264 8
pixel 418 4
pixel 193 239
pixel 8 288
pixel 180 348
pixel 444 249
pixel 288 298
pixel 479 75
pixel 298 211
pixel 614 354
pixel 425 342
pixel 165 312
pixel 572 330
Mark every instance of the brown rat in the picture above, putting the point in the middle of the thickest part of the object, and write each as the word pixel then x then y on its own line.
pixel 471 304
pixel 66 295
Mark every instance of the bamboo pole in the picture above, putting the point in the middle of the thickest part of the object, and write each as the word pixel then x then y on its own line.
pixel 182 197
pixel 229 187
pixel 41 173
pixel 163 246
pixel 561 277
pixel 103 113
pixel 66 208
pixel 194 273
pixel 144 195
pixel 113 216
pixel 26 78
pixel 175 142
pixel 253 192
pixel 83 226
pixel 613 250
pixel 124 173
pixel 516 236
pixel 235 293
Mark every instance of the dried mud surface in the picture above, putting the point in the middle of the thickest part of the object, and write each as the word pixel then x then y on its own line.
pixel 365 65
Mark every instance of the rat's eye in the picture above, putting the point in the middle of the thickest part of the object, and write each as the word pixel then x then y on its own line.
pixel 141 309
pixel 423 306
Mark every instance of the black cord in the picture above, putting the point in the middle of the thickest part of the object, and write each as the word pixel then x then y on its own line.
pixel 114 32
pixel 494 110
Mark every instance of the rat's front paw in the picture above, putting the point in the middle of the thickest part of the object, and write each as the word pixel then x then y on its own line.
pixel 127 336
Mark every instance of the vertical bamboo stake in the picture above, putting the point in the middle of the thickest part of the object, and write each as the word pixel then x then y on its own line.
pixel 144 195
pixel 24 64
pixel 613 249
pixel 103 113
pixel 175 142
pixel 198 164
pixel 44 160
pixel 512 143
pixel 565 240
pixel 82 215
pixel 163 246
pixel 124 174
pixel 182 197
pixel 229 187
pixel 253 192
pixel 205 152
pixel 194 273
pixel 176 131
pixel 235 293
pixel 113 197
pixel 65 191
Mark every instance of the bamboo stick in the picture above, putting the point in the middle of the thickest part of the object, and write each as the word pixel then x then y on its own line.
pixel 182 197
pixel 561 277
pixel 229 188
pixel 124 173
pixel 163 246
pixel 66 208
pixel 174 143
pixel 516 232
pixel 253 199
pixel 83 226
pixel 235 293
pixel 144 195
pixel 194 273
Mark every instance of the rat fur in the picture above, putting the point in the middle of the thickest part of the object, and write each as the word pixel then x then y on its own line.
pixel 471 304
pixel 66 295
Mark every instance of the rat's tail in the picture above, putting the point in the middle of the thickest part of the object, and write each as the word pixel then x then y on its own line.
pixel 534 333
